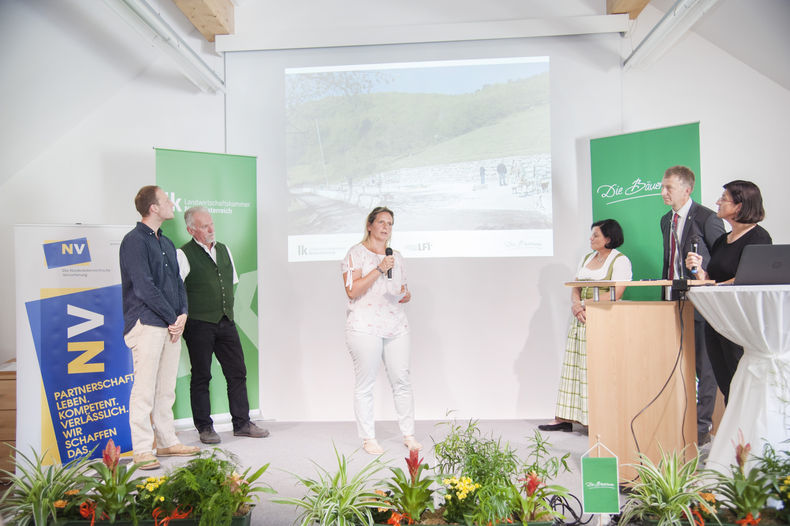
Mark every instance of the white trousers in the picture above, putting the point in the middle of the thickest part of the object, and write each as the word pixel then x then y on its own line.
pixel 154 391
pixel 367 352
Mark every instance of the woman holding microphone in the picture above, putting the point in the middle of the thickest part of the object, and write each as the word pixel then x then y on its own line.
pixel 376 326
pixel 740 205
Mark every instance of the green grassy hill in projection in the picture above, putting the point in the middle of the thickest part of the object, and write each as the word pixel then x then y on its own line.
pixel 339 138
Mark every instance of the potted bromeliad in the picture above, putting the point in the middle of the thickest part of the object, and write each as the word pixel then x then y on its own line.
pixel 208 490
pixel 743 493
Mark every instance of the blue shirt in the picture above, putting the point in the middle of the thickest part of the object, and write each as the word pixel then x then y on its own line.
pixel 151 286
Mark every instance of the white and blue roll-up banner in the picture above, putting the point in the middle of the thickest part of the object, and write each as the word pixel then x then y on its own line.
pixel 74 371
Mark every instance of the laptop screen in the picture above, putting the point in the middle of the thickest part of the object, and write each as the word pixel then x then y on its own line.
pixel 764 265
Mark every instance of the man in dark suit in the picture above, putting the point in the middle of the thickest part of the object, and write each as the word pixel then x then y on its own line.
pixel 686 224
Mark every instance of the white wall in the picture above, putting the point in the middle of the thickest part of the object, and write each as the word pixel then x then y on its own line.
pixel 91 172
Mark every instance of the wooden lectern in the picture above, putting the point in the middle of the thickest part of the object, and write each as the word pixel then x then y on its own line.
pixel 641 387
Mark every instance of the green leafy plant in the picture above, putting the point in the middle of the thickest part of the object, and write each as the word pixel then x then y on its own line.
pixel 465 450
pixel 33 494
pixel 339 498
pixel 211 488
pixel 540 461
pixel 776 466
pixel 411 495
pixel 744 492
pixel 493 504
pixel 111 491
pixel 666 491
pixel 451 452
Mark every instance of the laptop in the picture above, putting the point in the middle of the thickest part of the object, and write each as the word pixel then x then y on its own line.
pixel 764 265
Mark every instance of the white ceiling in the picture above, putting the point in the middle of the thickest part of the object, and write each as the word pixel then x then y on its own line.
pixel 62 58
pixel 756 32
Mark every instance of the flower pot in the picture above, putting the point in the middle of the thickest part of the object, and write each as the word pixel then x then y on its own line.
pixel 241 520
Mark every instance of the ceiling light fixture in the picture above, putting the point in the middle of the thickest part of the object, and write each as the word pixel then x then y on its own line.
pixel 141 16
pixel 675 23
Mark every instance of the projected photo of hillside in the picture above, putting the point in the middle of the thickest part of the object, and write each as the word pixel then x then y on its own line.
pixel 460 150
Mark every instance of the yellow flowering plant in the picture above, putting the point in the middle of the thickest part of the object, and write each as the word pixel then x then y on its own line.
pixel 459 498
pixel 148 496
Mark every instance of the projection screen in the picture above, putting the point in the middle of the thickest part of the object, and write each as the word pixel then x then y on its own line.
pixel 460 148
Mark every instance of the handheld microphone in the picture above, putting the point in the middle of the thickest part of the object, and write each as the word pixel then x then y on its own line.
pixel 694 248
pixel 388 252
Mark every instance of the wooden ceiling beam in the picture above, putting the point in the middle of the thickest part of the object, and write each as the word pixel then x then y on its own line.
pixel 632 7
pixel 210 17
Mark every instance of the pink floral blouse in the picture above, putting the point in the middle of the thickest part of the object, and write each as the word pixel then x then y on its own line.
pixel 377 311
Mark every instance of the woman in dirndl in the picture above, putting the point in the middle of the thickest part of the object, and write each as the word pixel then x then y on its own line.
pixel 604 263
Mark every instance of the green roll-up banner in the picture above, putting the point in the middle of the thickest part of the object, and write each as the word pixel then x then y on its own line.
pixel 226 185
pixel 626 186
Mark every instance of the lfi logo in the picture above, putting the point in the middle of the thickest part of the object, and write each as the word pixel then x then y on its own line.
pixel 68 252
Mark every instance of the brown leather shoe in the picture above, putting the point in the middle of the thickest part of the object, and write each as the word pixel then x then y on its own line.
pixel 251 430
pixel 179 450
pixel 209 436
pixel 146 461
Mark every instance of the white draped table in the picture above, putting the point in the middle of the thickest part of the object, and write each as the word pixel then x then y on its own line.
pixel 758 318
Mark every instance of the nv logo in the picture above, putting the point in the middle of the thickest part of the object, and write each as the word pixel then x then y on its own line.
pixel 176 201
pixel 68 252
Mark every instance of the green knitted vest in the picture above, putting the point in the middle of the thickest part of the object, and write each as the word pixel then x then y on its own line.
pixel 209 286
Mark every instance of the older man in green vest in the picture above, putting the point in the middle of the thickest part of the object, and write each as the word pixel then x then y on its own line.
pixel 209 276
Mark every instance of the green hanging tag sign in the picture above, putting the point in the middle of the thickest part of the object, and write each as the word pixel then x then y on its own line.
pixel 600 493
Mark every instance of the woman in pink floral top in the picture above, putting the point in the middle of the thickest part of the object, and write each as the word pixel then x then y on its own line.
pixel 376 327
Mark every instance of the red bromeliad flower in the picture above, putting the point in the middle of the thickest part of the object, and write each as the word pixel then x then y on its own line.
pixel 749 520
pixel 111 455
pixel 531 483
pixel 698 520
pixel 414 462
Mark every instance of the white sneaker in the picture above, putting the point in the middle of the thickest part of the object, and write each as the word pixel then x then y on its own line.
pixel 371 445
pixel 410 442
